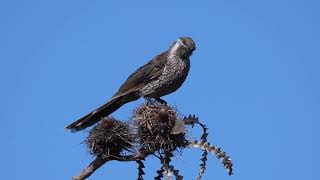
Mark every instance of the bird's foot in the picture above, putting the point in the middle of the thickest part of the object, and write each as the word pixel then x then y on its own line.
pixel 159 100
pixel 152 101
pixel 149 101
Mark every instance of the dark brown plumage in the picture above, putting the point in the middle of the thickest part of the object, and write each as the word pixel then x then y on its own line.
pixel 162 75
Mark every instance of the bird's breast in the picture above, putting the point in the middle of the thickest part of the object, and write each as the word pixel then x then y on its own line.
pixel 174 74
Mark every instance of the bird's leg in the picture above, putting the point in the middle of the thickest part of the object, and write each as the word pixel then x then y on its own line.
pixel 159 100
pixel 149 100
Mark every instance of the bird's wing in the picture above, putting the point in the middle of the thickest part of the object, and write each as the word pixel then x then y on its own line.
pixel 142 76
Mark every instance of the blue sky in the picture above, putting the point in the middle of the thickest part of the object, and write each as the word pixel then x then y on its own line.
pixel 254 81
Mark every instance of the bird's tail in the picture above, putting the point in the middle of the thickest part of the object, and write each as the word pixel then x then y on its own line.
pixel 96 115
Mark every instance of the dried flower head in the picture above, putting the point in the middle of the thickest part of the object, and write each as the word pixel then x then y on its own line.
pixel 158 128
pixel 109 137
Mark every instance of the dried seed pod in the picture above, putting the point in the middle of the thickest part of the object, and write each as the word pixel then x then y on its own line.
pixel 109 137
pixel 156 130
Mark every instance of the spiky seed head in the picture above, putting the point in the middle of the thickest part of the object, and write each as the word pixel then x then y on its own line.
pixel 109 137
pixel 156 131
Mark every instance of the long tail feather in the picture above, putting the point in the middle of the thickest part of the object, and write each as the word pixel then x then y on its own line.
pixel 96 115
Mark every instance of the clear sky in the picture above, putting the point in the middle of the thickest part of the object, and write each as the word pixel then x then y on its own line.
pixel 254 81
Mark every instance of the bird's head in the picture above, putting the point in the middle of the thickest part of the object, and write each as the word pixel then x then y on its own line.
pixel 183 46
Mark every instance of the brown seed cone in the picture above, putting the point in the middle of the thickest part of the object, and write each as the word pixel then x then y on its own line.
pixel 154 123
pixel 109 137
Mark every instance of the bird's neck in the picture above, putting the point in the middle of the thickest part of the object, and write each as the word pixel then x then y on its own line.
pixel 174 56
pixel 175 52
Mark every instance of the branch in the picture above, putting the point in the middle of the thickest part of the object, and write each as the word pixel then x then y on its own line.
pixel 94 165
pixel 140 169
pixel 221 155
pixel 175 172
pixel 203 164
pixel 165 168
pixel 192 120
pixel 99 161
pixel 165 164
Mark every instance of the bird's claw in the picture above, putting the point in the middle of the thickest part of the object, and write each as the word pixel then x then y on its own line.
pixel 159 100
pixel 150 101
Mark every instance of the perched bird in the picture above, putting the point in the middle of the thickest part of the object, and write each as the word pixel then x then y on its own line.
pixel 162 75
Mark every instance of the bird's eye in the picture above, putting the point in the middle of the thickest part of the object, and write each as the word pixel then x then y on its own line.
pixel 184 42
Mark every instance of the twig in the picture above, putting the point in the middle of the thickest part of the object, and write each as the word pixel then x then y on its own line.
pixel 165 168
pixel 99 161
pixel 140 169
pixel 175 172
pixel 221 155
pixel 166 162
pixel 94 165
pixel 203 164
pixel 192 120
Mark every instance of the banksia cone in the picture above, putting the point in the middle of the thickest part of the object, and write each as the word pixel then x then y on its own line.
pixel 155 129
pixel 109 137
pixel 158 128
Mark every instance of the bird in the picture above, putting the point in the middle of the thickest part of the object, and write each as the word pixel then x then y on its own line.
pixel 162 75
